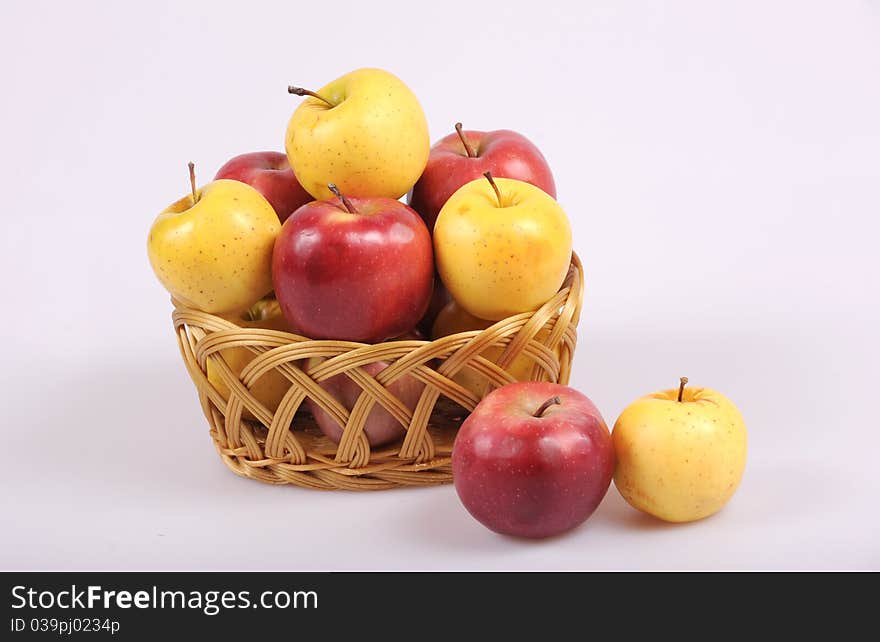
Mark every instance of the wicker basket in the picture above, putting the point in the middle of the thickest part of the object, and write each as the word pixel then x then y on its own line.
pixel 285 447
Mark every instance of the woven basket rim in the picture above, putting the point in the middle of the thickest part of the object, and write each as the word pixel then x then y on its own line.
pixel 281 445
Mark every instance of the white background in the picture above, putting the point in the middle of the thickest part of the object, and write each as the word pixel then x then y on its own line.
pixel 720 163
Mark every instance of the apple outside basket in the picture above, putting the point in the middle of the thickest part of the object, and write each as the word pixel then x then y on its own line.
pixel 286 447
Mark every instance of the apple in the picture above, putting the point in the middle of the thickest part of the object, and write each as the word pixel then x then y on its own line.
pixel 365 132
pixel 212 249
pixel 440 297
pixel 681 452
pixel 464 156
pixel 380 426
pixel 358 269
pixel 270 174
pixel 502 247
pixel 453 319
pixel 532 459
pixel 272 386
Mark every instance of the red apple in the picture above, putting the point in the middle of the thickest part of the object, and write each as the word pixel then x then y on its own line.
pixel 380 426
pixel 466 155
pixel 533 459
pixel 356 269
pixel 270 174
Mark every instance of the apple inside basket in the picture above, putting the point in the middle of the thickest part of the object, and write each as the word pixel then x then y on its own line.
pixel 286 447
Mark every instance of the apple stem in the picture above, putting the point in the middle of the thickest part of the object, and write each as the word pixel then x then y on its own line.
pixel 489 178
pixel 347 203
pixel 552 401
pixel 682 384
pixel 192 181
pixel 299 91
pixel 467 147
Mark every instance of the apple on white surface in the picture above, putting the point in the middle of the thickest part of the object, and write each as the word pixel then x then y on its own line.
pixel 681 452
pixel 533 459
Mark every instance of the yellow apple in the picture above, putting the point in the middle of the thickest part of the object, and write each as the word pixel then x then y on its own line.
pixel 212 250
pixel 365 132
pixel 271 387
pixel 453 319
pixel 502 247
pixel 680 453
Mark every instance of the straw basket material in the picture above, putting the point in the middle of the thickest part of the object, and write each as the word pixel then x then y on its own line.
pixel 285 447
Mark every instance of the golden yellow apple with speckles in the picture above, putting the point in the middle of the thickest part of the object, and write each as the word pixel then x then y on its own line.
pixel 212 250
pixel 680 453
pixel 453 319
pixel 272 386
pixel 502 247
pixel 365 131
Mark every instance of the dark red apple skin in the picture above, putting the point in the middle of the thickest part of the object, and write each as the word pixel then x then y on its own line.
pixel 353 277
pixel 269 173
pixel 532 476
pixel 503 152
pixel 380 426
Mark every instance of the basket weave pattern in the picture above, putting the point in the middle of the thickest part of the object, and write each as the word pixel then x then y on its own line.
pixel 285 447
